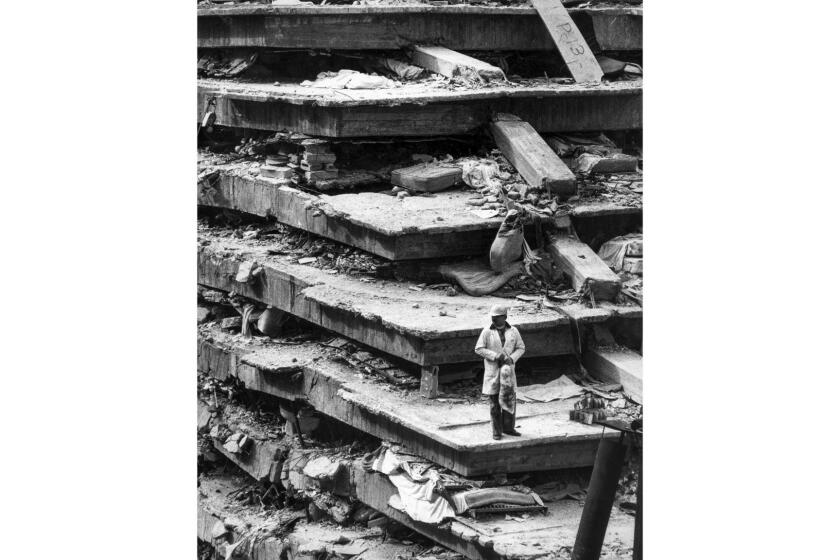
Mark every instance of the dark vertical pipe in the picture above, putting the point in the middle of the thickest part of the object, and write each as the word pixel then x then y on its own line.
pixel 599 500
pixel 637 530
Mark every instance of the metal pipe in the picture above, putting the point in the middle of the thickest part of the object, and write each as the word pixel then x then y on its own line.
pixel 599 500
pixel 637 530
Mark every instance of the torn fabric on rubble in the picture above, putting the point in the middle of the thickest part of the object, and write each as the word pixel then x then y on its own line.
pixel 479 173
pixel 415 483
pixel 560 388
pixel 349 79
pixel 613 251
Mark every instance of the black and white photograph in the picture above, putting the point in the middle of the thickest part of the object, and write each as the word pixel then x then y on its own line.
pixel 420 279
pixel 380 280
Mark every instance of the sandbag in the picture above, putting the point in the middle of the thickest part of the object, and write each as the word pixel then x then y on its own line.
pixel 476 278
pixel 507 247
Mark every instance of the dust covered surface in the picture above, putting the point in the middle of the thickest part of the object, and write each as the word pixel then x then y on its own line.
pixel 433 89
pixel 392 303
pixel 457 417
pixel 339 7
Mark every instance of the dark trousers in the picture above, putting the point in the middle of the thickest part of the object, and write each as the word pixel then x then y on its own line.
pixel 503 421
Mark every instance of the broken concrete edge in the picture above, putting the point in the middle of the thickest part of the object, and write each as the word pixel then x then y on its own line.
pixel 319 387
pixel 299 209
pixel 290 197
pixel 602 313
pixel 212 523
pixel 263 457
pixel 251 533
pixel 270 10
pixel 616 364
pixel 294 94
pixel 313 286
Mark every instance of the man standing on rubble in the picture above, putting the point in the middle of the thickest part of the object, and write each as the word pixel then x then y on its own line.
pixel 501 347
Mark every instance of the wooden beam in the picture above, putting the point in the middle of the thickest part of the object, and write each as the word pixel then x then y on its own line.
pixel 452 64
pixel 532 157
pixel 616 365
pixel 584 267
pixel 569 40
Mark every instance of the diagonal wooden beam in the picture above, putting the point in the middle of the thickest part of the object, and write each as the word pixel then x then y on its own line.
pixel 584 267
pixel 532 157
pixel 453 64
pixel 569 40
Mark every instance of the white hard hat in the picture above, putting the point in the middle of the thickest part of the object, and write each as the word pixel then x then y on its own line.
pixel 497 310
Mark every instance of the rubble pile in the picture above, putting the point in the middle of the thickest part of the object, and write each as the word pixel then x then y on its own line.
pixel 366 213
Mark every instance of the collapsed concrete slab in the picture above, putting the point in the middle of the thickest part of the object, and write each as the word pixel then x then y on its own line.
pixel 415 227
pixel 411 324
pixel 250 532
pixel 420 109
pixel 338 479
pixel 452 432
pixel 535 536
pixel 479 28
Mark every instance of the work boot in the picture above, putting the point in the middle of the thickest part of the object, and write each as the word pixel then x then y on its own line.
pixel 497 436
pixel 513 432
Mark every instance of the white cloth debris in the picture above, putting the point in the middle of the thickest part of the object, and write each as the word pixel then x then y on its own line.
pixel 349 79
pixel 419 500
pixel 415 485
pixel 402 69
pixel 479 173
pixel 613 251
pixel 560 388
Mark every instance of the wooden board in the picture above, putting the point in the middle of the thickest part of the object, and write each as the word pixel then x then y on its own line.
pixel 532 157
pixel 616 365
pixel 427 113
pixel 464 27
pixel 573 48
pixel 453 64
pixel 584 267
pixel 427 177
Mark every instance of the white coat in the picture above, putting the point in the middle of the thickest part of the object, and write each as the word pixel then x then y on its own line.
pixel 489 346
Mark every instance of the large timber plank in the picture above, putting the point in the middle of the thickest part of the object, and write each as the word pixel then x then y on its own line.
pixel 532 157
pixel 473 28
pixel 385 315
pixel 570 42
pixel 453 64
pixel 616 365
pixel 584 267
pixel 420 110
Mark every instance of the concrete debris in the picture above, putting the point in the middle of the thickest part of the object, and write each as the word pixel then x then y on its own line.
pixel 349 79
pixel 623 253
pixel 321 314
